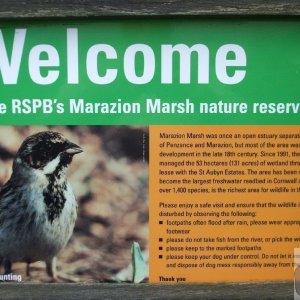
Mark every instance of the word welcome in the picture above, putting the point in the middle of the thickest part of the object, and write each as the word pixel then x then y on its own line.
pixel 44 62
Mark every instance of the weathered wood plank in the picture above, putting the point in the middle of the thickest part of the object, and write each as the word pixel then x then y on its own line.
pixel 12 9
pixel 283 290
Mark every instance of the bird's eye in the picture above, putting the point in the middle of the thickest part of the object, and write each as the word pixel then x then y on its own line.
pixel 44 149
pixel 43 152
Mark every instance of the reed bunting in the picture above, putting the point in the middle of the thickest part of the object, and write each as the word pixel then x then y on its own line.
pixel 37 206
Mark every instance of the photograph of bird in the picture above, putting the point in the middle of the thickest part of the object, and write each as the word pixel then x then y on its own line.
pixel 37 206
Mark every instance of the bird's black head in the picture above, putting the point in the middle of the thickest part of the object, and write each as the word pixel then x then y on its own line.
pixel 47 151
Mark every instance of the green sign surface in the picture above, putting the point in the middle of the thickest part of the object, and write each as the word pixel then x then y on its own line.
pixel 150 72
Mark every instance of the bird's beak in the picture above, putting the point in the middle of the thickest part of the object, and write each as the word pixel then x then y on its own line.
pixel 72 148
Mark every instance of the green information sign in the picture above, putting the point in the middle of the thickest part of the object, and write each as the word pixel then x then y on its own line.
pixel 161 72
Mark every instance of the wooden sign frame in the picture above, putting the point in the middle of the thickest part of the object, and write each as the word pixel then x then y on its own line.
pixel 99 9
pixel 16 9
